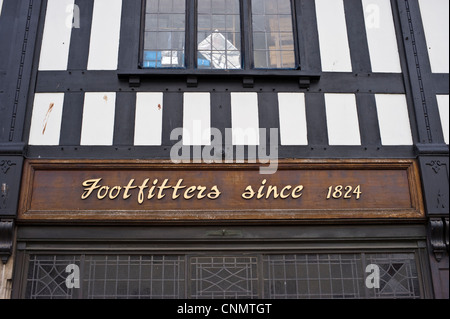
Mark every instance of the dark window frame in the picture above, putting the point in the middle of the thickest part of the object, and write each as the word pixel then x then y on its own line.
pixel 247 51
pixel 104 239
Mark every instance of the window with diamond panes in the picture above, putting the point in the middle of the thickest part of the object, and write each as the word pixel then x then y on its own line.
pixel 237 276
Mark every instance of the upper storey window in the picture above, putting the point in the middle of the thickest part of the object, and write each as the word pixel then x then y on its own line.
pixel 165 34
pixel 219 34
pixel 273 37
pixel 229 34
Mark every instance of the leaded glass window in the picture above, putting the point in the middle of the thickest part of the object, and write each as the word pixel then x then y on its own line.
pixel 165 34
pixel 219 34
pixel 249 275
pixel 273 37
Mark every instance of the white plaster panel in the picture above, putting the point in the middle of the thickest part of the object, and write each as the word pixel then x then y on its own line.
pixel 57 34
pixel 149 117
pixel 245 118
pixel 98 119
pixel 342 119
pixel 46 120
pixel 293 125
pixel 105 35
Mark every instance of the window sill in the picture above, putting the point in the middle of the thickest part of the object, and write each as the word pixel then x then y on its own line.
pixel 305 78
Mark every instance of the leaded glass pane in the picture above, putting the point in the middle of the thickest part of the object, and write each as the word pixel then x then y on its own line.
pixel 165 29
pixel 273 35
pixel 219 34
pixel 241 275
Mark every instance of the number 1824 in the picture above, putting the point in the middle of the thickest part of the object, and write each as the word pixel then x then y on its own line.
pixel 345 192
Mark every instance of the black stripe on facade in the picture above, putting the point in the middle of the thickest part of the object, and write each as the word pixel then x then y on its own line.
pixel 130 43
pixel 156 152
pixel 72 119
pixel 125 115
pixel 368 120
pixel 308 38
pixel 268 111
pixel 172 117
pixel 316 119
pixel 221 112
pixel 357 36
pixel 108 81
pixel 21 33
pixel 81 34
pixel 423 88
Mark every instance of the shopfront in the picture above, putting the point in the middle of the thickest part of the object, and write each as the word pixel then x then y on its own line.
pixel 154 229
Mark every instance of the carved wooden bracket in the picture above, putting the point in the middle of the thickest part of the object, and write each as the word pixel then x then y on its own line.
pixel 446 233
pixel 6 239
pixel 438 237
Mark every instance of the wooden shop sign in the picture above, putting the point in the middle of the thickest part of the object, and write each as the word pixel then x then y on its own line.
pixel 162 191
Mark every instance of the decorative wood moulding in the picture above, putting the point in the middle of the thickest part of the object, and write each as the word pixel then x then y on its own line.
pixel 97 190
pixel 6 239
pixel 437 228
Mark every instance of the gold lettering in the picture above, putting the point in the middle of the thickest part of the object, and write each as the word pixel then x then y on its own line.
pixel 215 193
pixel 201 191
pixel 189 191
pixel 175 194
pixel 272 189
pixel 163 187
pixel 105 189
pixel 282 194
pixel 127 188
pixel 159 190
pixel 116 189
pixel 141 191
pixel 151 192
pixel 249 193
pixel 260 191
pixel 90 185
pixel 297 192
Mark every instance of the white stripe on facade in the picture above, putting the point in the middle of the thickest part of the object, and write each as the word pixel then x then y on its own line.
pixel 98 119
pixel 435 17
pixel 381 36
pixel 443 103
pixel 197 119
pixel 341 116
pixel 393 118
pixel 333 37
pixel 105 35
pixel 342 119
pixel 293 126
pixel 57 34
pixel 1 7
pixel 245 118
pixel 46 120
pixel 149 117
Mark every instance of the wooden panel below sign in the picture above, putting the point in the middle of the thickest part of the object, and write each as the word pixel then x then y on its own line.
pixel 162 191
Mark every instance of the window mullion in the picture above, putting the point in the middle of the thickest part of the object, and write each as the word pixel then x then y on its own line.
pixel 247 35
pixel 191 34
pixel 296 33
